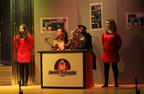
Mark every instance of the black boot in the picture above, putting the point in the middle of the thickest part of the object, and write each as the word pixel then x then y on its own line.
pixel 106 74
pixel 25 84
pixel 105 85
pixel 115 72
pixel 106 79
pixel 116 79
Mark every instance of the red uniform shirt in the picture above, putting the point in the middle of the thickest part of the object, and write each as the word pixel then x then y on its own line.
pixel 24 49
pixel 111 45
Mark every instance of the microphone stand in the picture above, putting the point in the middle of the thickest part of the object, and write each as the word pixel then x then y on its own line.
pixel 49 44
pixel 20 91
pixel 137 91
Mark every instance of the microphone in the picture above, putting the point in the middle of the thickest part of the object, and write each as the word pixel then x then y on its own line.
pixel 136 80
pixel 48 42
pixel 47 37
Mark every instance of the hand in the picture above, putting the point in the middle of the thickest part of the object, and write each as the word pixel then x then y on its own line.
pixel 66 44
pixel 79 30
pixel 76 29
pixel 54 49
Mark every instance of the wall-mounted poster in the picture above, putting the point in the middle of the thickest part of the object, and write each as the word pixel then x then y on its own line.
pixel 96 16
pixel 134 20
pixel 52 24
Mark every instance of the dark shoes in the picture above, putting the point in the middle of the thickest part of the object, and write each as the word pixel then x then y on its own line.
pixel 24 84
pixel 105 85
pixel 116 85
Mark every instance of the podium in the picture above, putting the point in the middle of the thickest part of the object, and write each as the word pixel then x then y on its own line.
pixel 71 69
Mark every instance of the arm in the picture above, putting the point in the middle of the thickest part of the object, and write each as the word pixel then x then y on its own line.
pixel 87 35
pixel 118 37
pixel 67 43
pixel 83 42
pixel 103 38
pixel 31 44
pixel 55 45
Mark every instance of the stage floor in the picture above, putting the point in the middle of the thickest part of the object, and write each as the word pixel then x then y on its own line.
pixel 36 89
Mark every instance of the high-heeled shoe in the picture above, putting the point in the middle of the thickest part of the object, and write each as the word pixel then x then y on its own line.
pixel 25 84
pixel 22 84
pixel 116 85
pixel 105 85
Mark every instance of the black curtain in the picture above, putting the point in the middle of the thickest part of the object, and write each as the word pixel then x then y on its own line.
pixel 13 13
pixel 22 12
pixel 5 32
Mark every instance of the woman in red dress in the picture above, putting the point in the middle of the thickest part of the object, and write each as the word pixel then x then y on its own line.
pixel 24 45
pixel 111 41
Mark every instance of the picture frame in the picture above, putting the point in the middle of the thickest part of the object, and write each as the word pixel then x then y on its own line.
pixel 96 15
pixel 49 25
pixel 134 20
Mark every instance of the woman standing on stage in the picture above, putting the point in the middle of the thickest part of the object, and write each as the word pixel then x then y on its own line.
pixel 111 41
pixel 24 45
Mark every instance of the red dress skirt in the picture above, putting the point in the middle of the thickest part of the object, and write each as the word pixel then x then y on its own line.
pixel 111 45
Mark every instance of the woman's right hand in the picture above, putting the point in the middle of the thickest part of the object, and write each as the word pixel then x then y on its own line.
pixel 77 29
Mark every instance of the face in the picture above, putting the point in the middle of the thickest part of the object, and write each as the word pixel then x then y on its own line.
pixel 59 33
pixel 21 29
pixel 81 28
pixel 108 24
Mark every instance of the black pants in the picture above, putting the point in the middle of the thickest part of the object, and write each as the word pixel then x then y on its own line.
pixel 106 71
pixel 22 66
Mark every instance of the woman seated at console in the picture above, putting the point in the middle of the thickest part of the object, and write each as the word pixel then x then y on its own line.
pixel 61 42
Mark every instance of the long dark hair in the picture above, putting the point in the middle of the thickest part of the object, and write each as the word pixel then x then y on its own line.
pixel 25 33
pixel 113 25
pixel 65 35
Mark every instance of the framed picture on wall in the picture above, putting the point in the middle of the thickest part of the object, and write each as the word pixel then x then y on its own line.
pixel 134 20
pixel 52 24
pixel 96 21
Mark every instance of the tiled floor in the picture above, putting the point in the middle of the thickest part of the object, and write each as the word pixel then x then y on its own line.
pixel 36 89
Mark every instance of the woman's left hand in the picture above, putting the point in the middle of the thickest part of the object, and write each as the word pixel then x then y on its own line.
pixel 66 44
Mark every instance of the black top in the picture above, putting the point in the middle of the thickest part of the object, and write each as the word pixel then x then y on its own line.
pixel 88 44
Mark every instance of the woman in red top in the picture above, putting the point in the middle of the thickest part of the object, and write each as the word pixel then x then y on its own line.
pixel 24 47
pixel 111 41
